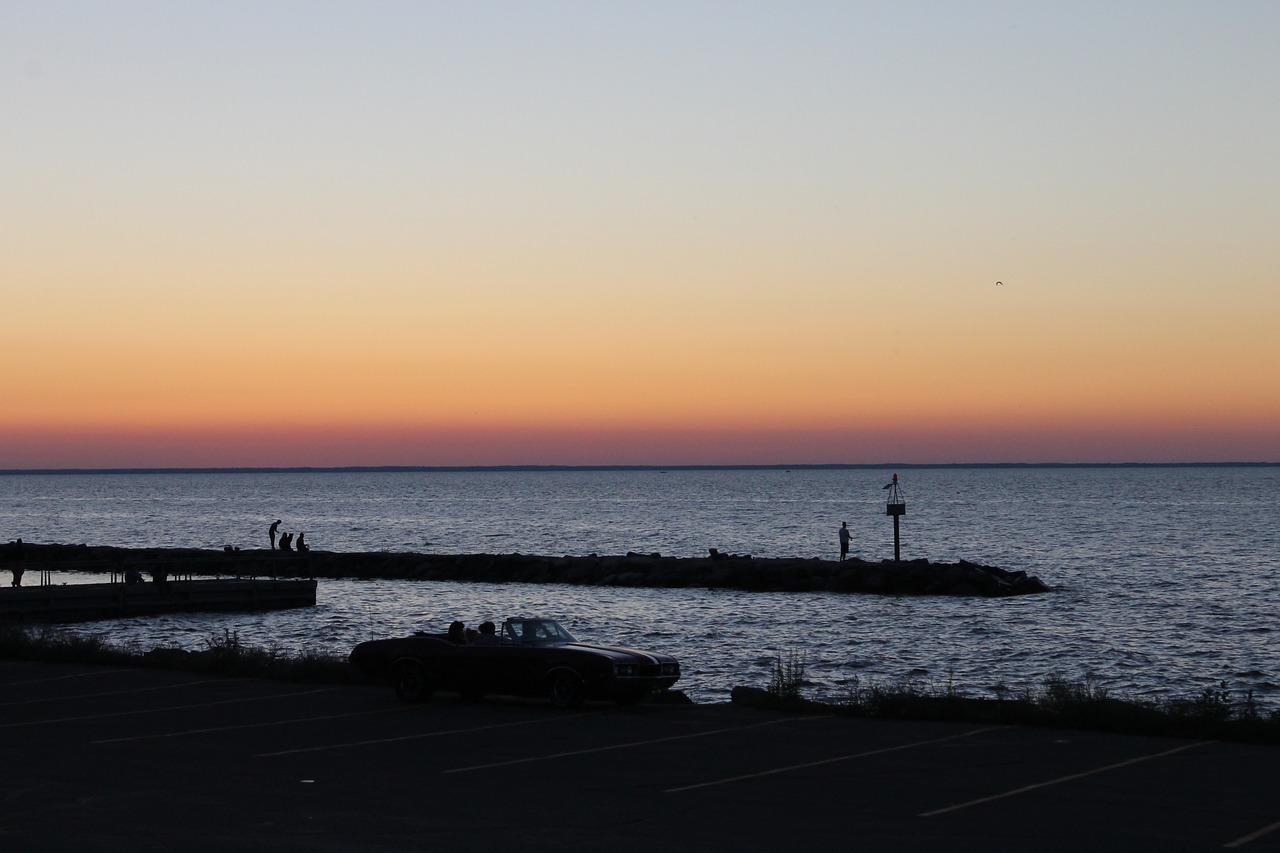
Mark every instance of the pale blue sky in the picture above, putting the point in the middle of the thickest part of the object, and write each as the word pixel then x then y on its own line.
pixel 1017 115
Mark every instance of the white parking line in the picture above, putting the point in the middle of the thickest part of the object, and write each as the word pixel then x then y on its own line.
pixel 250 726
pixel 158 710
pixel 1061 779
pixel 420 736
pixel 630 745
pixel 1254 836
pixel 62 677
pixel 823 761
pixel 106 693
pixel 18 793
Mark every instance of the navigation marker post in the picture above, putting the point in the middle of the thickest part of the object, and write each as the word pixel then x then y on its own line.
pixel 896 507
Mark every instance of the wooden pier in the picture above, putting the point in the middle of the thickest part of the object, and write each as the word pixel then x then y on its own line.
pixel 90 601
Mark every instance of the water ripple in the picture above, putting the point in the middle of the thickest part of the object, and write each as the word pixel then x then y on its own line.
pixel 1165 578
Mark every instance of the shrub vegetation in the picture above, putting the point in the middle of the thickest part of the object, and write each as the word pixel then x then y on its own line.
pixel 223 655
pixel 1215 713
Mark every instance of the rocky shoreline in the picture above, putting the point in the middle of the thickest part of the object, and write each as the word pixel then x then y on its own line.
pixel 718 571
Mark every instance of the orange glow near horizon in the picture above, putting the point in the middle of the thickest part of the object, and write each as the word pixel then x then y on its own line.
pixel 298 446
pixel 638 396
pixel 772 386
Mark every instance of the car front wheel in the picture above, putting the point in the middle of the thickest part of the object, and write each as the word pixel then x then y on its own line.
pixel 567 690
pixel 411 682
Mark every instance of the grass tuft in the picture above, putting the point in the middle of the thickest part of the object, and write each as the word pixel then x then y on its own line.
pixel 788 676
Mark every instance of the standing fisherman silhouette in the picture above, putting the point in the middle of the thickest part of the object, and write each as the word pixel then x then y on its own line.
pixel 844 539
pixel 271 531
pixel 15 554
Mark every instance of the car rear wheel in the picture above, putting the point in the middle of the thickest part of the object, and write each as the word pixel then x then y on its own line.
pixel 411 682
pixel 567 689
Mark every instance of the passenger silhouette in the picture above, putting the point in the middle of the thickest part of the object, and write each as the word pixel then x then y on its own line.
pixel 488 635
pixel 271 531
pixel 458 633
pixel 286 541
pixel 302 543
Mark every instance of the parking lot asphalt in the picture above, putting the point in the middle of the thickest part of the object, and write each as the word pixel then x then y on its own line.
pixel 106 759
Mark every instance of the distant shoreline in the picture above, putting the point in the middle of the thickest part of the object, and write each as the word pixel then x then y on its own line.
pixel 446 469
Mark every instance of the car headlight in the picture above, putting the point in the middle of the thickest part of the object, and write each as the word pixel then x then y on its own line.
pixel 625 670
pixel 671 669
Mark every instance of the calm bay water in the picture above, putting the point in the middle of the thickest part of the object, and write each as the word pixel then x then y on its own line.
pixel 1166 578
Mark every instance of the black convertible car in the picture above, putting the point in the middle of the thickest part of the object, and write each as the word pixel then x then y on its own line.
pixel 528 657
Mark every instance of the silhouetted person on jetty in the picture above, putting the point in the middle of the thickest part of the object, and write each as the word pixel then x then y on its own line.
pixel 844 539
pixel 302 543
pixel 271 531
pixel 286 541
pixel 15 555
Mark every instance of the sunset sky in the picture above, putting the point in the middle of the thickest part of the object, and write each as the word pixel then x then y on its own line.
pixel 430 233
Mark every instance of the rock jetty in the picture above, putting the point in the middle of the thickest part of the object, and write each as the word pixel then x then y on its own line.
pixel 715 571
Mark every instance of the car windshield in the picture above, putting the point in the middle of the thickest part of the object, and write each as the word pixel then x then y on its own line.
pixel 536 631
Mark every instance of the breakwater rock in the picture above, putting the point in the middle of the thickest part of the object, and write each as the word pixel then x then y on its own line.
pixel 723 571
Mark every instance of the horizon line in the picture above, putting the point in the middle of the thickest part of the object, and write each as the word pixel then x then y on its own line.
pixel 443 469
